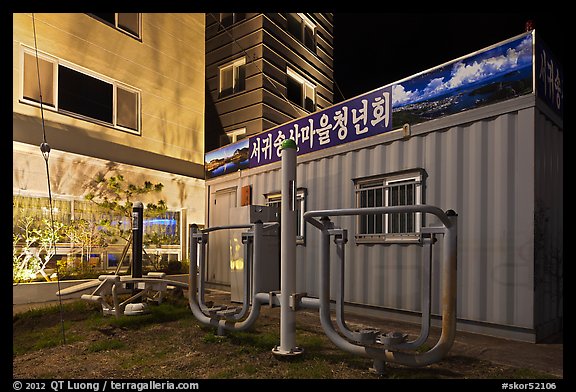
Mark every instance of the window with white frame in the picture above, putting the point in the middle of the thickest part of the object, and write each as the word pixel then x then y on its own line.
pixel 300 91
pixel 229 18
pixel 232 77
pixel 303 29
pixel 395 189
pixel 129 23
pixel 70 89
pixel 275 199
pixel 236 134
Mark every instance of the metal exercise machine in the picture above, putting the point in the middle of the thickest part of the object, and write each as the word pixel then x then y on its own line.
pixel 391 347
pixel 151 287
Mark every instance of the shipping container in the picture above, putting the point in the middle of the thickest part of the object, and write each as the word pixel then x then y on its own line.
pixel 481 135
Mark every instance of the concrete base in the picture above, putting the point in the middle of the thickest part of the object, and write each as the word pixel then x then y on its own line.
pixel 296 351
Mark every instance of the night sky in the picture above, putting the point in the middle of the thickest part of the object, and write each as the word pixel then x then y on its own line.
pixel 373 50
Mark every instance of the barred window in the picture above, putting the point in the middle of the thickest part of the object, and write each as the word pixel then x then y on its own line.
pixel 386 191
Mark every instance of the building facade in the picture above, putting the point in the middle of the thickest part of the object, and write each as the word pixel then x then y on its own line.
pixel 110 93
pixel 263 69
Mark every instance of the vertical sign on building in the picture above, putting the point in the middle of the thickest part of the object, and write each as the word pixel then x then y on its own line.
pixel 549 78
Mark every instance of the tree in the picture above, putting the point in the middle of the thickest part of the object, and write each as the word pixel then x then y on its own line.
pixel 115 195
pixel 38 248
pixel 84 234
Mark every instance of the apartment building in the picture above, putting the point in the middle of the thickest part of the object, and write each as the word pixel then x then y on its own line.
pixel 264 69
pixel 110 93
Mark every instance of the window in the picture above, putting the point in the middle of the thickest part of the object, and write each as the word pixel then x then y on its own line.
pixel 83 94
pixel 69 90
pixel 232 136
pixel 163 229
pixel 232 78
pixel 236 135
pixel 300 91
pixel 126 22
pixel 31 86
pixel 275 199
pixel 303 29
pixel 390 190
pixel 228 19
pixel 127 108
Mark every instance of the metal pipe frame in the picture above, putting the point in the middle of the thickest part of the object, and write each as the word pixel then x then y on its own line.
pixel 368 336
pixel 448 291
pixel 196 282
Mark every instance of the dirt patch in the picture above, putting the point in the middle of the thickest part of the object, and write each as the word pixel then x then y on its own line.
pixel 169 343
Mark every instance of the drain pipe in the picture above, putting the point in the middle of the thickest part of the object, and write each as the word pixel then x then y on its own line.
pixel 448 278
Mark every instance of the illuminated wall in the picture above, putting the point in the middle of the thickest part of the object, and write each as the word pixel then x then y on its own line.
pixel 162 63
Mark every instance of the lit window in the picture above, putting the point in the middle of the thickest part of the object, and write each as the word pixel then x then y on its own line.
pixel 236 135
pixel 67 89
pixel 275 199
pixel 300 91
pixel 232 78
pixel 385 191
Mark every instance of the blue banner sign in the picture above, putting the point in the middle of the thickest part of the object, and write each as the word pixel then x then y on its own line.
pixel 518 66
pixel 227 159
pixel 357 118
pixel 549 78
pixel 495 74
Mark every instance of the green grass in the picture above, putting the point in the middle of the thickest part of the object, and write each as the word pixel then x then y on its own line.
pixel 38 339
pixel 162 313
pixel 33 336
pixel 212 338
pixel 81 308
pixel 314 368
pixel 238 354
pixel 105 345
pixel 259 341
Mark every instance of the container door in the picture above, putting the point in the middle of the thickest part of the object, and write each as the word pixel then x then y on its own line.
pixel 218 264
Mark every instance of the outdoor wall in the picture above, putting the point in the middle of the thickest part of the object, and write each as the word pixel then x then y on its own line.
pixel 549 224
pixel 480 164
pixel 71 173
pixel 165 65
